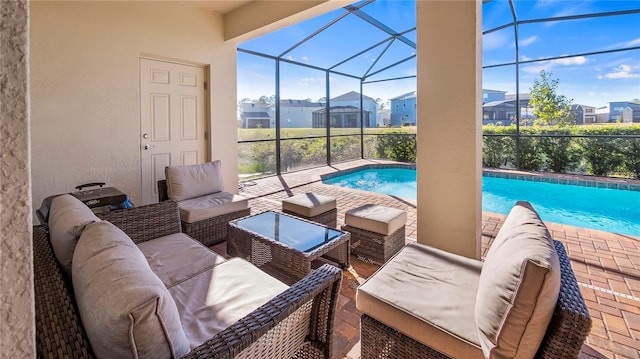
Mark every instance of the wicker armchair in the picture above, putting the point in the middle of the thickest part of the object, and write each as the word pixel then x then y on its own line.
pixel 60 333
pixel 565 335
pixel 208 231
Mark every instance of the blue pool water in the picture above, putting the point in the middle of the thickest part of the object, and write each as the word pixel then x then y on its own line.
pixel 609 210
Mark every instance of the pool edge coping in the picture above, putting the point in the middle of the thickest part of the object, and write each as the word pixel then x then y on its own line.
pixel 623 184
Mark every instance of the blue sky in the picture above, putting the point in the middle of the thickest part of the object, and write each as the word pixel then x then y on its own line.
pixel 587 79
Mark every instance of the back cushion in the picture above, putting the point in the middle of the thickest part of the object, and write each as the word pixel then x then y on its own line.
pixel 186 182
pixel 67 219
pixel 518 287
pixel 125 309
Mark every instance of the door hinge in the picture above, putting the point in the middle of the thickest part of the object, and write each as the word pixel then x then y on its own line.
pixel 205 85
pixel 206 135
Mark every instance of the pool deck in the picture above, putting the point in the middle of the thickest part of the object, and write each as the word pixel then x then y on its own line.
pixel 606 265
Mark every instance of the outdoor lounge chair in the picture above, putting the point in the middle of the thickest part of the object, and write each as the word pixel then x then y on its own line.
pixel 454 311
pixel 205 208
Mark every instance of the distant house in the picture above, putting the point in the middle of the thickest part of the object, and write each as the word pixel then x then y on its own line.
pixel 383 118
pixel 403 109
pixel 254 115
pixel 504 112
pixel 492 95
pixel 297 113
pixel 341 117
pixel 584 114
pixel 619 111
pixel 352 98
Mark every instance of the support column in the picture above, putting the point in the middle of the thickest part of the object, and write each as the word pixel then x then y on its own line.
pixel 449 93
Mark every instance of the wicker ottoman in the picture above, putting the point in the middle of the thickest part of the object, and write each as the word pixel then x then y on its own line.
pixel 377 232
pixel 313 207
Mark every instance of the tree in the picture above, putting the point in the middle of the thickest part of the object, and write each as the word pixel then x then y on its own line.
pixel 268 100
pixel 549 107
pixel 380 103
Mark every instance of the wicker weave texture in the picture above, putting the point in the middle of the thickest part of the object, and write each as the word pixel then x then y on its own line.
pixel 59 332
pixel 148 222
pixel 375 247
pixel 213 230
pixel 380 341
pixel 567 331
pixel 280 260
pixel 328 218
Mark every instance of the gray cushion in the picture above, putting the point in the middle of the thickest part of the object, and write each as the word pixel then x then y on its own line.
pixel 518 287
pixel 429 295
pixel 217 298
pixel 375 218
pixel 177 257
pixel 211 205
pixel 125 309
pixel 190 181
pixel 67 219
pixel 309 204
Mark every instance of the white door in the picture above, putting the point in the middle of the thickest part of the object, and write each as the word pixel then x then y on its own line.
pixel 172 120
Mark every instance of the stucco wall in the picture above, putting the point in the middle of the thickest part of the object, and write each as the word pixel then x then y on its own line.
pixel 85 88
pixel 16 288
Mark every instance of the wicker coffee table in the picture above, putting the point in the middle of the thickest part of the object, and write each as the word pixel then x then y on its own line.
pixel 284 246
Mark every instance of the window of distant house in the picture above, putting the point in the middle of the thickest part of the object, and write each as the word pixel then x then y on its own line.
pixel 589 110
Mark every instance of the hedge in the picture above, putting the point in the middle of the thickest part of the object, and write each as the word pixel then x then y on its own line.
pixel 544 149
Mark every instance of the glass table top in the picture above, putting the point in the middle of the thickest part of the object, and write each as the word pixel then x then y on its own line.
pixel 298 234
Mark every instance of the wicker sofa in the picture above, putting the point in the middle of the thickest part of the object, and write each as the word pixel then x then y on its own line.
pixel 296 322
pixel 522 301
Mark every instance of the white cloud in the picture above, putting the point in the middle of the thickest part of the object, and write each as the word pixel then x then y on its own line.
pixel 493 41
pixel 536 67
pixel 591 93
pixel 304 58
pixel 525 58
pixel 528 41
pixel 621 72
pixel 633 42
pixel 577 60
pixel 290 57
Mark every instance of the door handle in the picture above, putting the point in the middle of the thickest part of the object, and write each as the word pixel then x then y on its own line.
pixel 147 146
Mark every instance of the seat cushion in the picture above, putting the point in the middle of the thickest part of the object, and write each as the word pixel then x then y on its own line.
pixel 518 287
pixel 213 300
pixel 212 205
pixel 177 257
pixel 67 219
pixel 375 218
pixel 429 295
pixel 309 204
pixel 190 181
pixel 125 308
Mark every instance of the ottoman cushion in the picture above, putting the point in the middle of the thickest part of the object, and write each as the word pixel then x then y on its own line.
pixel 375 218
pixel 309 204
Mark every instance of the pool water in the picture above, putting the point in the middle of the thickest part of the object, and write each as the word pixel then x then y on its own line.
pixel 610 210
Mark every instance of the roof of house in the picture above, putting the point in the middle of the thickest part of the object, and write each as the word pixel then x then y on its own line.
pixel 341 109
pixel 351 96
pixel 260 114
pixel 299 103
pixel 405 96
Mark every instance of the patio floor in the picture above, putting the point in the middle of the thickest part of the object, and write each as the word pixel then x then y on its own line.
pixel 606 265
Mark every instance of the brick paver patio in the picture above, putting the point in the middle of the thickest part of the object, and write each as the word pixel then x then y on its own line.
pixel 606 265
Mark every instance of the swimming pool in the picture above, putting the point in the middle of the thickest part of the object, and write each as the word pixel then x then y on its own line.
pixel 610 210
